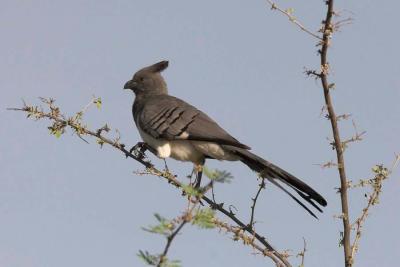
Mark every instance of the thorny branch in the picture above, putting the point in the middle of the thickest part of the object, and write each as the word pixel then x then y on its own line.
pixel 328 28
pixel 261 186
pixel 381 174
pixel 289 13
pixel 327 31
pixel 357 137
pixel 302 254
pixel 60 122
pixel 269 251
pixel 240 234
pixel 187 217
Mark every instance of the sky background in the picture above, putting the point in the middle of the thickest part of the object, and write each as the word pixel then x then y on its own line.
pixel 65 203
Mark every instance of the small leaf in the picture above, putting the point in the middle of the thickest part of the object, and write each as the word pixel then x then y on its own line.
pixel 165 227
pixel 57 134
pixel 191 191
pixel 290 11
pixel 173 263
pixel 375 169
pixel 100 142
pixel 204 218
pixel 218 176
pixel 98 102
pixel 148 258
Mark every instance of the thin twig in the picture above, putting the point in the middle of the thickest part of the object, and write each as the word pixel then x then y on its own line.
pixel 185 219
pixel 250 240
pixel 302 254
pixel 372 200
pixel 355 138
pixel 253 206
pixel 293 19
pixel 96 134
pixel 274 253
pixel 328 164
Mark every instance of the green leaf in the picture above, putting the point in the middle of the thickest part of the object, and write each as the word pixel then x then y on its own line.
pixel 375 169
pixel 54 130
pixel 218 175
pixel 165 227
pixel 173 263
pixel 204 218
pixel 100 142
pixel 57 134
pixel 380 170
pixel 191 191
pixel 148 258
pixel 98 102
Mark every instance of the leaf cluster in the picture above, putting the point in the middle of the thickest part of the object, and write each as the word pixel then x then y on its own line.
pixel 204 218
pixel 218 175
pixel 164 227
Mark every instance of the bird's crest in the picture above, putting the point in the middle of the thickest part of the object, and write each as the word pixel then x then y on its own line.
pixel 158 67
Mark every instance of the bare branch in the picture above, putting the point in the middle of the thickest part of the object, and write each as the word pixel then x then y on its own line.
pixel 288 13
pixel 261 186
pixel 302 254
pixel 187 217
pixel 329 164
pixel 357 137
pixel 327 31
pixel 343 117
pixel 239 234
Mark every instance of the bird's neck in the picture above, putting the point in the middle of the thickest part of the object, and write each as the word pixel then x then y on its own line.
pixel 141 98
pixel 151 93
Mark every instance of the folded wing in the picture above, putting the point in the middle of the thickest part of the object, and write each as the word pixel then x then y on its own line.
pixel 169 118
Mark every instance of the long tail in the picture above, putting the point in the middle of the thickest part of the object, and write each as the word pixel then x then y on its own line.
pixel 272 173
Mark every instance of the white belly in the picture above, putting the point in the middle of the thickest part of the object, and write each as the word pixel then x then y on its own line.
pixel 185 150
pixel 182 150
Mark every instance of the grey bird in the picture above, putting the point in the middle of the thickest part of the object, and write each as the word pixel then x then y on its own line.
pixel 170 127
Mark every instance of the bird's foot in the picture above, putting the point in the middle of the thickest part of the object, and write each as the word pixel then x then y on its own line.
pixel 138 150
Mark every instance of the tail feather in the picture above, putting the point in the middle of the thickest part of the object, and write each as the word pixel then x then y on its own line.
pixel 272 172
pixel 295 198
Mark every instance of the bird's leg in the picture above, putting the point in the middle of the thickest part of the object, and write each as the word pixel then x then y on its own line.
pixel 189 176
pixel 165 165
pixel 199 173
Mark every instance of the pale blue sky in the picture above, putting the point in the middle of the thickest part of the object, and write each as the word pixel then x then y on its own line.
pixel 66 203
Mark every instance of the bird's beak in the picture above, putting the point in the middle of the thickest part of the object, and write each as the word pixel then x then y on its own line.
pixel 130 84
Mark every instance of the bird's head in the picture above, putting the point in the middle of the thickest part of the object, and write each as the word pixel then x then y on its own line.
pixel 148 81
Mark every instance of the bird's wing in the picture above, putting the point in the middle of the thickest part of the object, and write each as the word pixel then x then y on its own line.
pixel 167 117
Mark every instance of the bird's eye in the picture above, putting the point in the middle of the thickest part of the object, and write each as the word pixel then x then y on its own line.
pixel 141 79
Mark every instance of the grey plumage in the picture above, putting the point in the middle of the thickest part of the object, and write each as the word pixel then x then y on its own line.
pixel 167 117
pixel 174 128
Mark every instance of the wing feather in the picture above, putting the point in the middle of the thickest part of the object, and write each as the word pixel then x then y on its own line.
pixel 167 117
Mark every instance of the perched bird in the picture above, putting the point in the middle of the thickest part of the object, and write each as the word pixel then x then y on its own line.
pixel 170 127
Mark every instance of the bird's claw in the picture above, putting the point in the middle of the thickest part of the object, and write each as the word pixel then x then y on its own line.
pixel 138 150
